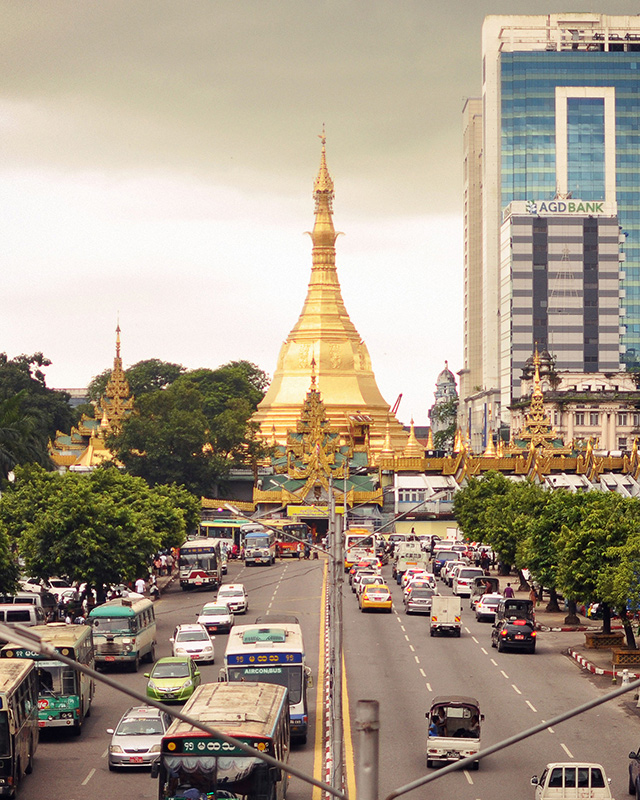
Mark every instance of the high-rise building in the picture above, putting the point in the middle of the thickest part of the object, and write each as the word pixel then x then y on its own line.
pixel 560 111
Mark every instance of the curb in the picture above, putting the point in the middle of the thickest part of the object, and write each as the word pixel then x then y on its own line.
pixel 586 664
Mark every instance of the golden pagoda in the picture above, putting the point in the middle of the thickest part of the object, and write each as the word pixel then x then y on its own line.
pixel 324 333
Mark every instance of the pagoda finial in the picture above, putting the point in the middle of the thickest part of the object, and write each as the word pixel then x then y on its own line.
pixel 387 448
pixel 323 183
pixel 413 448
pixel 430 440
pixel 118 339
pixel 313 375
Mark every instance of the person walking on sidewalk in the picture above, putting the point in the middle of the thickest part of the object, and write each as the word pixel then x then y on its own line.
pixel 508 591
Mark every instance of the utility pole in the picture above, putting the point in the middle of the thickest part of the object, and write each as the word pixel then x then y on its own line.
pixel 335 637
pixel 368 727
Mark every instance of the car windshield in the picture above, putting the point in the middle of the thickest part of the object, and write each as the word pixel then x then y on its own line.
pixel 215 610
pixel 191 636
pixel 171 669
pixel 139 727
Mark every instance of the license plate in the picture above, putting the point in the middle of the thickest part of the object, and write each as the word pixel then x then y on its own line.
pixel 41 723
pixel 519 636
pixel 213 627
pixel 136 759
pixel 109 658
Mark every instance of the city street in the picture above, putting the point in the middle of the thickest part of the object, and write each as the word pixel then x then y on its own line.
pixel 391 658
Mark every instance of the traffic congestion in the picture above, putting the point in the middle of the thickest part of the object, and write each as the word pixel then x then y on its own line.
pixel 424 651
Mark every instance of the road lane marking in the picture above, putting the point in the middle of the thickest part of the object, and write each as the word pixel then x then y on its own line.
pixel 402 626
pixel 468 777
pixel 348 741
pixel 406 637
pixel 566 749
pixel 484 651
pixel 533 708
pixel 423 673
pixel 466 630
pixel 429 689
pixel 494 662
pixel 412 648
pixel 473 638
pixel 505 674
pixel 92 772
pixel 318 755
pixel 105 754
pixel 417 659
pixel 515 688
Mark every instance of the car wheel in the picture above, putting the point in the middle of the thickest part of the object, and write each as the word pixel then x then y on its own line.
pixel 500 647
pixel 429 763
pixel 493 642
pixel 475 765
pixel 632 785
pixel 431 632
pixel 112 768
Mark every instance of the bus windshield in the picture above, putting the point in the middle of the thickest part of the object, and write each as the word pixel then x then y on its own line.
pixel 5 743
pixel 56 679
pixel 282 675
pixel 201 560
pixel 123 625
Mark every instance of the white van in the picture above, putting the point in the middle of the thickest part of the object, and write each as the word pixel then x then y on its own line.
pixel 571 781
pixel 24 613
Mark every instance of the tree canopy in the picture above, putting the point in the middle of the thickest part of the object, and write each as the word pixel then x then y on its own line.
pixel 195 430
pixel 143 377
pixel 101 528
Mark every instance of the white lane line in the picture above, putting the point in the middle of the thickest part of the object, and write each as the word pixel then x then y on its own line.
pixel 515 688
pixel 473 639
pixel 533 708
pixel 468 777
pixel 566 749
pixel 417 659
pixel 484 651
pixel 105 754
pixel 402 628
pixel 412 648
pixel 423 673
pixel 429 689
pixel 92 772
pixel 466 630
pixel 406 637
pixel 549 729
pixel 505 674
pixel 494 662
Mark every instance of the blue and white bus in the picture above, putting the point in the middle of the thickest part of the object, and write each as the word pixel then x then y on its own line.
pixel 272 653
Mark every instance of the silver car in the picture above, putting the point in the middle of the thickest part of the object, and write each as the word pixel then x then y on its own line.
pixel 136 740
pixel 418 601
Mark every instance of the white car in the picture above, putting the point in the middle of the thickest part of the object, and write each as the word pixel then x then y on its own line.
pixel 447 570
pixel 234 596
pixel 487 606
pixel 463 580
pixel 216 618
pixel 427 581
pixel 411 573
pixel 192 641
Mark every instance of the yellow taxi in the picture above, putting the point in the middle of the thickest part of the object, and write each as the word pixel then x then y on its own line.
pixel 376 597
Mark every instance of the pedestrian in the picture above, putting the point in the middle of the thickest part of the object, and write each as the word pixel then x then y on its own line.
pixel 79 620
pixel 533 596
pixel 141 585
pixel 170 563
pixel 508 592
pixel 307 551
pixel 163 564
pixel 154 592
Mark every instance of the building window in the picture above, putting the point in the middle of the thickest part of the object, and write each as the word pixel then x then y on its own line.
pixel 579 417
pixel 636 420
pixel 622 443
pixel 412 496
pixel 594 419
pixel 622 420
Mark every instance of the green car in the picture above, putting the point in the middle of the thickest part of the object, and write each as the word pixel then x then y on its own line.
pixel 172 680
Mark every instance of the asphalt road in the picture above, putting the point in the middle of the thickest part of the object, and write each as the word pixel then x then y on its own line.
pixel 391 658
pixel 75 768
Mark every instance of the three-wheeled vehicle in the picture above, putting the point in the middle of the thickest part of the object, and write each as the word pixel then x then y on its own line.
pixel 454 729
pixel 483 584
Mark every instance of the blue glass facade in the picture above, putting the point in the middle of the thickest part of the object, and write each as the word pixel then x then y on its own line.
pixel 528 143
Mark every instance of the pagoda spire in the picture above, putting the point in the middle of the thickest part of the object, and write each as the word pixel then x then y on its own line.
pixel 117 402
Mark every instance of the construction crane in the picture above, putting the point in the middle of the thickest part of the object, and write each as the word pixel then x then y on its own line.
pixel 394 410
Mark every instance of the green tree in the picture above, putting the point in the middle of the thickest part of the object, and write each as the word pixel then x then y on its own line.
pixel 143 377
pixel 21 438
pixel 40 412
pixel 470 501
pixel 100 528
pixel 9 570
pixel 98 384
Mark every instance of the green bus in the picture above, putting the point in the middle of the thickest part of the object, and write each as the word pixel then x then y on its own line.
pixel 255 713
pixel 64 694
pixel 18 722
pixel 124 632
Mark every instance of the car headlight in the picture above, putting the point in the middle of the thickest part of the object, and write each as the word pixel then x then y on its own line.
pixel 187 683
pixel 115 749
pixel 155 748
pixel 151 685
pixel 181 651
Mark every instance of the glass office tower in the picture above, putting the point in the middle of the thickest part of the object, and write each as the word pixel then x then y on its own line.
pixel 561 119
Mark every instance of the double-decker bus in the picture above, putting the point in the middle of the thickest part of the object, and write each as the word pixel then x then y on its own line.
pixel 272 652
pixel 200 564
pixel 289 536
pixel 124 631
pixel 18 722
pixel 64 694
pixel 259 545
pixel 254 713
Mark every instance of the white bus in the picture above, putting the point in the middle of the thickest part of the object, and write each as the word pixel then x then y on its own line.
pixel 124 631
pixel 272 652
pixel 18 722
pixel 259 545
pixel 200 564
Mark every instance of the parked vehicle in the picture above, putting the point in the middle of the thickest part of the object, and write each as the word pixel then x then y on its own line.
pixel 454 729
pixel 24 613
pixel 446 614
pixel 566 781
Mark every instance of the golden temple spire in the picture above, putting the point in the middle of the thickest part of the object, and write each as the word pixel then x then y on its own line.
pixel 413 448
pixel 387 449
pixel 430 440
pixel 117 401
pixel 491 450
pixel 313 375
pixel 458 444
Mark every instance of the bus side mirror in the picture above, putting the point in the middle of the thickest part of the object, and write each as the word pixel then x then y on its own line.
pixel 309 677
pixel 155 769
pixel 222 676
pixel 275 773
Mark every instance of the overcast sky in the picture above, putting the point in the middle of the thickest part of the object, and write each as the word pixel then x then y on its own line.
pixel 158 162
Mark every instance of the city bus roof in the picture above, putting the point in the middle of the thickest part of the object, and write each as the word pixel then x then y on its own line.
pixel 280 637
pixel 222 523
pixel 120 607
pixel 12 673
pixel 57 634
pixel 242 709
